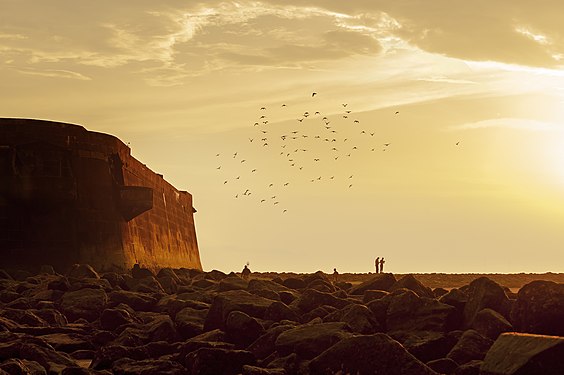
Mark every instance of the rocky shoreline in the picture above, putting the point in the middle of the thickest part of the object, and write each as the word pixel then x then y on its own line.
pixel 191 322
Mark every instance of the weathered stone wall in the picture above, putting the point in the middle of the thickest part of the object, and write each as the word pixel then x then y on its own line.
pixel 68 196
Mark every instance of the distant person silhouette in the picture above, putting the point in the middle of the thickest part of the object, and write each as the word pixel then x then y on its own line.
pixel 382 261
pixel 377 264
pixel 335 275
pixel 246 273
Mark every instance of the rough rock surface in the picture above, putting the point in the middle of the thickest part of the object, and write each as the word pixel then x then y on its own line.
pixel 191 322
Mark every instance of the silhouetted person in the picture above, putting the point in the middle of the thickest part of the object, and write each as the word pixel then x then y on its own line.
pixel 377 264
pixel 335 275
pixel 246 272
pixel 382 261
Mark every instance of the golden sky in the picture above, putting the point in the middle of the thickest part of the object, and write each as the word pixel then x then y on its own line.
pixel 472 179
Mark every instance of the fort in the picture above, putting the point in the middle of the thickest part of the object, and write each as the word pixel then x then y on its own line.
pixel 69 195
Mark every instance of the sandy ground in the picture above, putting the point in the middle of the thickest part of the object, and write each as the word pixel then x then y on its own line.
pixel 513 281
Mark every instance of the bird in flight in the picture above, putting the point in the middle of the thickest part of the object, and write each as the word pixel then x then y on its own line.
pixel 254 170
pixel 397 112
pixel 315 159
pixel 262 200
pixel 300 119
pixel 348 111
pixel 256 124
pixel 350 186
pixel 286 184
pixel 219 167
pixel 284 211
pixel 283 105
pixel 251 140
pixel 356 121
pixel 216 154
pixel 224 182
pixel 263 108
pixel 457 143
pixel 313 94
pixel 234 155
pixel 387 144
pixel 242 161
pixel 345 104
pixel 263 116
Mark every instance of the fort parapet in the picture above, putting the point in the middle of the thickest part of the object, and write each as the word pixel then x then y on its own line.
pixel 68 195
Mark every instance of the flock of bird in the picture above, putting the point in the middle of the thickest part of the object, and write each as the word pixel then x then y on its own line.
pixel 315 140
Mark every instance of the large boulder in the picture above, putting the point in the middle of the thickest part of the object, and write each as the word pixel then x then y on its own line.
pixel 21 366
pixel 234 300
pixel 137 301
pixel 263 346
pixel 427 345
pixel 490 323
pixel 127 366
pixel 241 329
pixel 84 303
pixel 539 308
pixel 311 299
pixel 232 283
pixel 409 312
pixel 471 346
pixel 82 271
pixel 382 281
pixel 374 354
pixel 411 283
pixel 525 354
pixel 214 361
pixel 309 340
pixel 190 322
pixel 484 293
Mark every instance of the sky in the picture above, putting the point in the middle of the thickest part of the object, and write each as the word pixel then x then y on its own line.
pixel 468 95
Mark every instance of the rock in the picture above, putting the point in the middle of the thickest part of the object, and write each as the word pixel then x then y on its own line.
pixel 107 355
pixel 308 341
pixel 137 272
pixel 52 317
pixel 172 304
pixel 144 285
pixel 371 295
pixel 374 354
pixel 525 354
pixel 253 370
pixel 24 367
pixel 47 357
pixel 111 319
pixel 190 322
pixel 84 303
pixel 232 283
pixel 318 313
pixel 5 275
pixel 539 308
pixel 83 271
pixel 484 293
pixel 318 275
pixel 258 284
pixel 264 345
pixel 409 312
pixel 67 342
pixel 115 280
pixel 471 346
pixel 234 300
pixel 457 299
pixel 168 284
pixel 278 311
pixel 294 283
pixel 439 292
pixel 47 269
pixel 443 365
pixel 214 361
pixel 343 285
pixel 60 283
pixel 322 286
pixel 360 319
pixel 266 293
pixel 490 323
pixel 411 283
pixel 215 275
pixel 204 283
pixel 168 272
pixel 23 317
pixel 382 281
pixel 162 329
pixel 241 329
pixel 427 345
pixel 127 366
pixel 287 297
pixel 469 368
pixel 137 301
pixel 311 299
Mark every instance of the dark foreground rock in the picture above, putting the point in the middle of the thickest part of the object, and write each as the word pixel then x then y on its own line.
pixel 374 354
pixel 192 322
pixel 525 354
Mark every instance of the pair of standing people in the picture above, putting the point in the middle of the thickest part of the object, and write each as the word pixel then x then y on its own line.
pixel 379 264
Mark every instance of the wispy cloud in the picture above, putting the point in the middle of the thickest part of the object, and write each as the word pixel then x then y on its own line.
pixel 512 123
pixel 54 73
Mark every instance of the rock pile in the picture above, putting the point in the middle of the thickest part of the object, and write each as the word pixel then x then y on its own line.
pixel 191 322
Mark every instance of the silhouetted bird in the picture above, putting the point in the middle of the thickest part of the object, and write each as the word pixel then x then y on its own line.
pixel 224 182
pixel 242 161
pixel 256 124
pixel 219 167
pixel 263 116
pixel 345 104
pixel 263 108
pixel 283 105
pixel 300 119
pixel 387 144
pixel 313 94
pixel 217 155
pixel 397 112
pixel 251 140
pixel 356 121
pixel 457 143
